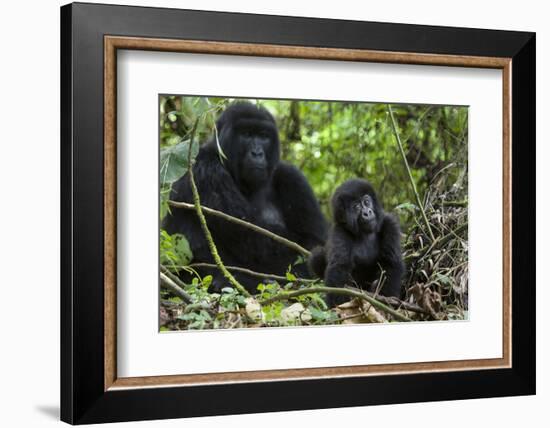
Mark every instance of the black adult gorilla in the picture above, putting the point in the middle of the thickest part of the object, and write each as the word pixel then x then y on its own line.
pixel 254 185
pixel 363 239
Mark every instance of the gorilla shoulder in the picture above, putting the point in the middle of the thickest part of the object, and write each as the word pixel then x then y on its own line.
pixel 287 174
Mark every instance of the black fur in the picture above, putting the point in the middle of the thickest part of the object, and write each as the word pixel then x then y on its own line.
pixel 362 238
pixel 254 185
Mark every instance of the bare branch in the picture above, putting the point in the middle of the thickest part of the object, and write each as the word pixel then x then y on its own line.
pixel 252 273
pixel 170 285
pixel 341 291
pixel 296 247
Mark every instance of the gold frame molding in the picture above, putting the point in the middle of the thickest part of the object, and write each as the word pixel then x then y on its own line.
pixel 113 43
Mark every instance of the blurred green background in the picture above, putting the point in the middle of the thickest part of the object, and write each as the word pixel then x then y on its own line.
pixel 333 141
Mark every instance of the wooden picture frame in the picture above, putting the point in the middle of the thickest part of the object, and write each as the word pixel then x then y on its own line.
pixel 91 391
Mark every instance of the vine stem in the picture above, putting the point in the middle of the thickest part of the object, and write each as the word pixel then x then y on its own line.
pixel 198 209
pixel 402 151
pixel 391 301
pixel 253 273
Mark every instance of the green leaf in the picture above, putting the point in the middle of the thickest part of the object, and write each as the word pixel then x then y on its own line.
pixel 207 280
pixel 174 249
pixel 407 206
pixel 174 161
pixel 182 250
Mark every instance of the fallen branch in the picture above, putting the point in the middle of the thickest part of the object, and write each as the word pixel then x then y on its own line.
pixel 252 273
pixel 340 291
pixel 296 247
pixel 400 304
pixel 170 285
pixel 411 179
pixel 392 301
pixel 198 208
pixel 173 277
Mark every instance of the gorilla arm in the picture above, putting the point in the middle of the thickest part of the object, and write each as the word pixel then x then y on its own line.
pixel 217 190
pixel 338 257
pixel 390 255
pixel 339 264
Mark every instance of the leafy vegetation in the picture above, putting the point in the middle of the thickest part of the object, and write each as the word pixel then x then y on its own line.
pixel 331 142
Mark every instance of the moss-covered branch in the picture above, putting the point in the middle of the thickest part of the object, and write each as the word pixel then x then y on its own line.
pixel 198 209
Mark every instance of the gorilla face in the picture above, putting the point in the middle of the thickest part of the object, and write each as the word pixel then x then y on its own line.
pixel 356 208
pixel 256 157
pixel 363 209
pixel 248 136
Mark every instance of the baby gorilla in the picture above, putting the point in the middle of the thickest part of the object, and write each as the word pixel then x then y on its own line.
pixel 363 241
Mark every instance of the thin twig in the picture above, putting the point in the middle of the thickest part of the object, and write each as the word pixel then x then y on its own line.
pixel 170 285
pixel 444 239
pixel 290 244
pixel 453 204
pixel 402 151
pixel 198 209
pixel 439 242
pixel 252 273
pixel 340 291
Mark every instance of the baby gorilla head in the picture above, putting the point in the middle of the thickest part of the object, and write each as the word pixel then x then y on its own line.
pixel 248 137
pixel 363 242
pixel 356 208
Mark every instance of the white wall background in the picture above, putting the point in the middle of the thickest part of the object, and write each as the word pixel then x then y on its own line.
pixel 29 211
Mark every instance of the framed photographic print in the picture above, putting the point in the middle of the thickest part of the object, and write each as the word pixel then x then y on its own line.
pixel 291 213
